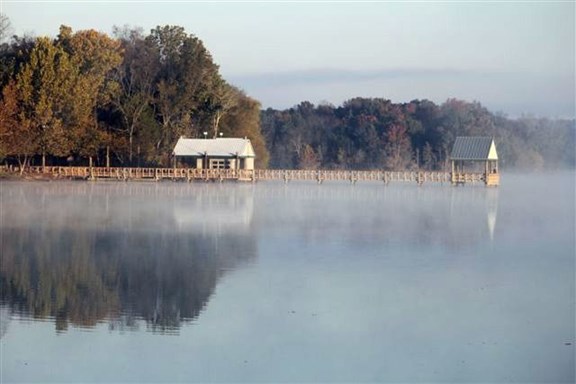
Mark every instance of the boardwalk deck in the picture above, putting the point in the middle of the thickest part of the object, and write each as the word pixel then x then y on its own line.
pixel 352 176
pixel 319 176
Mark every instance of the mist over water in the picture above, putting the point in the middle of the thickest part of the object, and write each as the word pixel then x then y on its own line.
pixel 169 282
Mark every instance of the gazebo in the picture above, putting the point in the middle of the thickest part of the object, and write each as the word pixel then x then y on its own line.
pixel 474 158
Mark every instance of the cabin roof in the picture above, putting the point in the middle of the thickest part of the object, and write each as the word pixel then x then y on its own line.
pixel 474 148
pixel 219 147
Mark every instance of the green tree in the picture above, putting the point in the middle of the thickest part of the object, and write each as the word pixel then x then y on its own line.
pixel 13 57
pixel 183 81
pixel 136 80
pixel 221 99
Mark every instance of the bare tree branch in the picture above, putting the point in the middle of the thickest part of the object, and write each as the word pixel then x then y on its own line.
pixel 4 27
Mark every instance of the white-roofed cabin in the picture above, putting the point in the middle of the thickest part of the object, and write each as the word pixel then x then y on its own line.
pixel 219 153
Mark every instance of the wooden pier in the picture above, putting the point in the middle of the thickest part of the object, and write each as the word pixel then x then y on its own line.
pixel 220 175
pixel 352 176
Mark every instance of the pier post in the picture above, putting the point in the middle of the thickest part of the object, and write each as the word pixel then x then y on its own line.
pixel 420 178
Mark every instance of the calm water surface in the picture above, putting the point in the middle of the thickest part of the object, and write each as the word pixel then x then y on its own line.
pixel 175 282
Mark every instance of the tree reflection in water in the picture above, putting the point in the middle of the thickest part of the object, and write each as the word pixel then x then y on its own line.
pixel 121 253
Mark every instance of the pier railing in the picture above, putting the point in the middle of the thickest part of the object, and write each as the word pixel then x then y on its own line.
pixel 126 173
pixel 191 174
pixel 286 175
pixel 352 176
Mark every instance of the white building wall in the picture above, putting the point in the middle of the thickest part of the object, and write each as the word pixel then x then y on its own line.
pixel 249 163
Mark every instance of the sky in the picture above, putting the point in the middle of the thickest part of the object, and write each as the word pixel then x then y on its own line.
pixel 514 57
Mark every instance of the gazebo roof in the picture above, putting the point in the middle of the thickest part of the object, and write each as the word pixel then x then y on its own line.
pixel 219 147
pixel 474 148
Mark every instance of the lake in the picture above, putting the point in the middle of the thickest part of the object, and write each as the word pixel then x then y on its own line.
pixel 297 282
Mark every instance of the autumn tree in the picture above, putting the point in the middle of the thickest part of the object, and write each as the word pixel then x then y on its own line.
pixel 243 120
pixel 94 55
pixel 308 159
pixel 428 157
pixel 16 139
pixel 58 89
pixel 42 89
pixel 398 148
pixel 16 136
pixel 183 81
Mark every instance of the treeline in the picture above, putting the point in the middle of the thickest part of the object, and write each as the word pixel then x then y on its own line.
pixel 376 133
pixel 120 100
pixel 125 100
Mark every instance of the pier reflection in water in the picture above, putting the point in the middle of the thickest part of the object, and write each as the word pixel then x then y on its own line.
pixel 120 253
pixel 423 217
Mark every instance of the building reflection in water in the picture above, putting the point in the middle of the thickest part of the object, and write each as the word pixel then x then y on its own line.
pixel 125 254
pixel 423 217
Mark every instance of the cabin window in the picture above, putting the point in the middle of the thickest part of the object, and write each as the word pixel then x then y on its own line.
pixel 219 164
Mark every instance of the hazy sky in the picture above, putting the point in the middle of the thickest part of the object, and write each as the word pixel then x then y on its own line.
pixel 514 57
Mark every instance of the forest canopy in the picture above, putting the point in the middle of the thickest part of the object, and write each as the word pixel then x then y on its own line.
pixel 86 97
pixel 379 134
pixel 120 100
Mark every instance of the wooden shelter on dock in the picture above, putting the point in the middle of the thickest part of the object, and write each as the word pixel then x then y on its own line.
pixel 218 153
pixel 474 158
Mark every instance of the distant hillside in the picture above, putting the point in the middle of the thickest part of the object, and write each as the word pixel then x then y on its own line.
pixel 371 133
